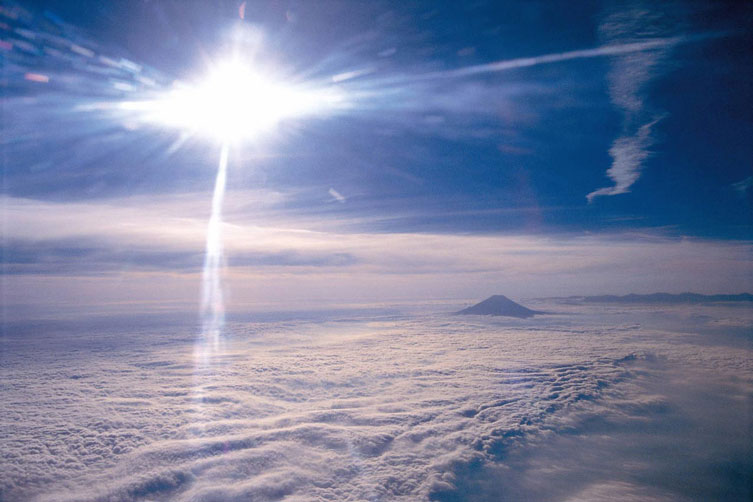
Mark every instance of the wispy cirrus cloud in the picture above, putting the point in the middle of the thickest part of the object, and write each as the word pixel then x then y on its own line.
pixel 628 78
pixel 628 154
pixel 742 187
pixel 337 195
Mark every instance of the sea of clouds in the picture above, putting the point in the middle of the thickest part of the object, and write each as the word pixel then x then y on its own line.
pixel 406 404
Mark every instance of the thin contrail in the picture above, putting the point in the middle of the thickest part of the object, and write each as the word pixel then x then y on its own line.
pixel 212 303
pixel 605 50
pixel 512 64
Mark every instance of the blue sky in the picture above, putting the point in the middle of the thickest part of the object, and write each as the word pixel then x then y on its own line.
pixel 611 138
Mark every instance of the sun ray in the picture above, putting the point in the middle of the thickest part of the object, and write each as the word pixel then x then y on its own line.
pixel 212 301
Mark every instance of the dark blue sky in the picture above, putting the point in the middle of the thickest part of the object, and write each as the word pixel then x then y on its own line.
pixel 467 118
pixel 536 137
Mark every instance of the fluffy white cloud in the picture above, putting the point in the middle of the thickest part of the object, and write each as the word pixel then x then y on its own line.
pixel 422 407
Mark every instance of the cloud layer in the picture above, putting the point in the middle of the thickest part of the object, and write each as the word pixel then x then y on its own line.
pixel 139 249
pixel 416 407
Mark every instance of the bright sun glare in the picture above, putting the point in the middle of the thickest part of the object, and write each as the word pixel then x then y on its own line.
pixel 235 101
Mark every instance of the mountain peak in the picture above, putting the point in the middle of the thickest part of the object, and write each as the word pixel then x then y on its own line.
pixel 499 305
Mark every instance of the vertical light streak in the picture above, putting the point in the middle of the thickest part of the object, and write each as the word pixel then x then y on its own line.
pixel 212 303
pixel 212 311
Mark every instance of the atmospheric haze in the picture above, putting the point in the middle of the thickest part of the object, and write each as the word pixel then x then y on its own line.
pixel 402 402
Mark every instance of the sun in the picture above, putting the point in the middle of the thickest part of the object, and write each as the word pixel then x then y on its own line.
pixel 234 101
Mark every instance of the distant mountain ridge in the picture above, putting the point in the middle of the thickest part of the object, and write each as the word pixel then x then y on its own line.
pixel 499 305
pixel 664 298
